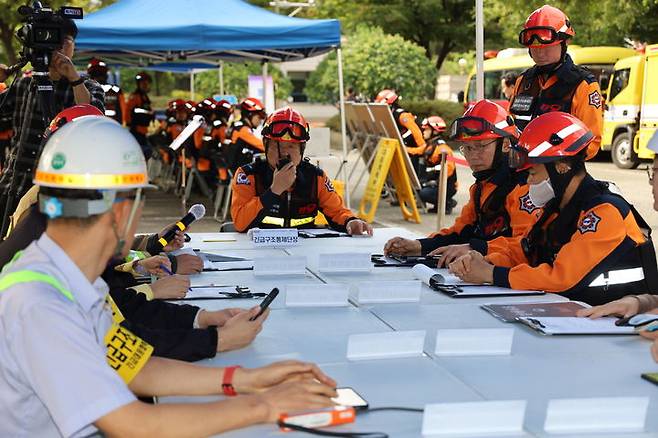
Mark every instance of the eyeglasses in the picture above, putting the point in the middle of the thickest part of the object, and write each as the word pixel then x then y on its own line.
pixel 474 149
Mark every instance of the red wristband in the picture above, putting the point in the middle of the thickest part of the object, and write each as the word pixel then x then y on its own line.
pixel 227 381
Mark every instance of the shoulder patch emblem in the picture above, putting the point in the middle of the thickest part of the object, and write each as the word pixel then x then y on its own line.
pixel 525 203
pixel 242 179
pixel 589 222
pixel 595 99
pixel 328 184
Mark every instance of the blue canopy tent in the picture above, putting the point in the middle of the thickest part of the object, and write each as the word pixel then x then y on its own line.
pixel 151 32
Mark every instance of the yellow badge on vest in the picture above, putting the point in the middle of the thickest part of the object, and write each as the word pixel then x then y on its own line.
pixel 117 316
pixel 126 353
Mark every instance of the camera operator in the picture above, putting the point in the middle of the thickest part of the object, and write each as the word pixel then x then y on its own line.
pixel 22 103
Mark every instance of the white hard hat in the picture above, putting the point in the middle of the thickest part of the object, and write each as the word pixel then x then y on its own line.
pixel 653 142
pixel 92 153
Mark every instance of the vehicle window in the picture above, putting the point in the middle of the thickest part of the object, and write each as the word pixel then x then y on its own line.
pixel 472 93
pixel 619 82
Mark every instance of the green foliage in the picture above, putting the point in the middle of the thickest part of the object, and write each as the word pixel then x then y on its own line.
pixel 372 61
pixel 446 109
pixel 438 26
pixel 597 22
pixel 236 80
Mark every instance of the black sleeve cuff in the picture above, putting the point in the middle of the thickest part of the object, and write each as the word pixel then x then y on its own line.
pixel 501 277
pixel 428 244
pixel 174 263
pixel 153 247
pixel 269 199
pixel 479 245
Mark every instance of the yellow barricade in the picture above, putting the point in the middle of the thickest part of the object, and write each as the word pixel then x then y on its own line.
pixel 388 161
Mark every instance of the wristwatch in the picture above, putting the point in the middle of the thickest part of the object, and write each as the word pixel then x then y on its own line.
pixel 77 82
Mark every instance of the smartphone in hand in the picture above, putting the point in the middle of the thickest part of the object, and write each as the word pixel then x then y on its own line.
pixel 266 303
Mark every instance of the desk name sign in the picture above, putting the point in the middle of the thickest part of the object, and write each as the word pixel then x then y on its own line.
pixel 274 238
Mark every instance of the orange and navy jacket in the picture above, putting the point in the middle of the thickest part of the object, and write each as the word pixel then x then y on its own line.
pixel 243 136
pixel 115 103
pixel 592 250
pixel 497 207
pixel 254 205
pixel 138 114
pixel 433 152
pixel 411 134
pixel 570 89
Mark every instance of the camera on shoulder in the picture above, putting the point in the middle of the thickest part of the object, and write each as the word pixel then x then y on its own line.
pixel 43 32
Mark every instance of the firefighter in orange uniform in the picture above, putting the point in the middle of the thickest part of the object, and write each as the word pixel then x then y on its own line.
pixel 284 190
pixel 139 114
pixel 115 103
pixel 499 206
pixel 433 128
pixel 244 143
pixel 555 83
pixel 411 134
pixel 588 244
pixel 223 118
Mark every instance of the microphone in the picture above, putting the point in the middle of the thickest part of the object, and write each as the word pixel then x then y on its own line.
pixel 196 212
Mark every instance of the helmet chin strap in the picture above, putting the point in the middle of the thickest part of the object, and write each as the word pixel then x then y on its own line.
pixel 121 239
pixel 560 181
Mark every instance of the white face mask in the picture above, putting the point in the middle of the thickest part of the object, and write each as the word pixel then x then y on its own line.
pixel 541 193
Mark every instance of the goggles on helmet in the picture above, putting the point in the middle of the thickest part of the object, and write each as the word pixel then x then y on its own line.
pixel 540 34
pixel 468 126
pixel 286 130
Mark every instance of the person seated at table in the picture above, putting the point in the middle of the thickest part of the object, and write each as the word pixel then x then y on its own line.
pixel 285 190
pixel 499 204
pixel 67 368
pixel 589 243
pixel 179 332
pixel 632 305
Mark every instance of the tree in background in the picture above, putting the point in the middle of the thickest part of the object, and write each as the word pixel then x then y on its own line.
pixel 438 26
pixel 10 21
pixel 373 60
pixel 597 22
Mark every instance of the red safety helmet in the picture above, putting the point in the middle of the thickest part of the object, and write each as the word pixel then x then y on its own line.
pixel 96 67
pixel 482 121
pixel 176 104
pixel 70 114
pixel 143 76
pixel 387 96
pixel 436 123
pixel 549 137
pixel 546 26
pixel 206 107
pixel 224 108
pixel 190 105
pixel 286 124
pixel 252 105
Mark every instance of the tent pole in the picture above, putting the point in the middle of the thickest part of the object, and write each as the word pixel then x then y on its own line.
pixel 221 78
pixel 479 48
pixel 264 74
pixel 192 85
pixel 343 129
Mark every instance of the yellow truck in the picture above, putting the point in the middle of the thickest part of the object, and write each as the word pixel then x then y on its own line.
pixel 631 114
pixel 600 60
